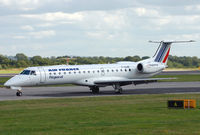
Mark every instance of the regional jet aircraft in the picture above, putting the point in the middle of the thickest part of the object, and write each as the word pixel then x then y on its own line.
pixel 96 75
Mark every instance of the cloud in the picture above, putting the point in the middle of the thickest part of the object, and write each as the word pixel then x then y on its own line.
pixel 182 22
pixel 114 19
pixel 18 2
pixel 140 11
pixel 46 24
pixel 27 27
pixel 193 36
pixel 36 35
pixel 42 34
pixel 85 19
pixel 192 8
pixel 101 35
pixel 19 37
pixel 21 4
pixel 112 22
pixel 56 16
pixel 28 5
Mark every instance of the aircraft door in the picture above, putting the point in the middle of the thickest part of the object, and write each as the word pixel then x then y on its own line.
pixel 42 74
pixel 102 71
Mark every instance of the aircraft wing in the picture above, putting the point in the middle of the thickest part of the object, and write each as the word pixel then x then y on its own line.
pixel 129 81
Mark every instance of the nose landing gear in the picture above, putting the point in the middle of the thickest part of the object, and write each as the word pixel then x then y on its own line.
pixel 19 90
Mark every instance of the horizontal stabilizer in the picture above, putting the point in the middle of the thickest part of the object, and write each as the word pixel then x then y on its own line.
pixel 172 41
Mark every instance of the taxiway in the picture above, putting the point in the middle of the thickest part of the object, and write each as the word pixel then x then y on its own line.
pixel 79 91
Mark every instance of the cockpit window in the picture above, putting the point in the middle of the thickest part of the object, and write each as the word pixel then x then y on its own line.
pixel 33 73
pixel 28 72
pixel 25 72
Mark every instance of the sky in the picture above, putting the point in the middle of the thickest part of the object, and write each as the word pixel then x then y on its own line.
pixel 115 28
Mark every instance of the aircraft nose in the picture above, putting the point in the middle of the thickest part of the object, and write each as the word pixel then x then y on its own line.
pixel 8 83
pixel 11 82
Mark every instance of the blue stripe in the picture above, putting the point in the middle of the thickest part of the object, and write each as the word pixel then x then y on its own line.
pixel 159 54
pixel 160 59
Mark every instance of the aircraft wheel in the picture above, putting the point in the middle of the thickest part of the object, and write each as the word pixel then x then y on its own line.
pixel 19 93
pixel 95 90
pixel 119 91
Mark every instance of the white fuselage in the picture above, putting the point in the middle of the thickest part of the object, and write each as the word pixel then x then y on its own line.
pixel 84 75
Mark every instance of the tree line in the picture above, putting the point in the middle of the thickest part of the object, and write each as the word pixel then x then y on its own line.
pixel 20 60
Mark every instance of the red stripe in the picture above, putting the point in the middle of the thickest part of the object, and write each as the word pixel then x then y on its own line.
pixel 166 56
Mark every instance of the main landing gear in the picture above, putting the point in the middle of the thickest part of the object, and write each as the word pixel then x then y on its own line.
pixel 94 89
pixel 19 93
pixel 117 88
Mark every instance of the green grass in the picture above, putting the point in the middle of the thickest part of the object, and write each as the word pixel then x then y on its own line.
pixel 11 71
pixel 120 115
pixel 182 69
pixel 180 78
pixel 3 80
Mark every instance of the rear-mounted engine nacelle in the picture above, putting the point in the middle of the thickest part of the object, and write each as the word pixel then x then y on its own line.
pixel 150 67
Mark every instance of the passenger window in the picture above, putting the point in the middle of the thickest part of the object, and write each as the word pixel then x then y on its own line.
pixel 107 70
pixel 59 73
pixel 79 72
pixel 69 72
pixel 88 71
pixel 97 71
pixel 93 71
pixel 116 70
pixel 54 73
pixel 125 70
pixel 74 72
pixel 121 70
pixel 83 71
pixel 49 73
pixel 112 70
pixel 129 69
pixel 65 73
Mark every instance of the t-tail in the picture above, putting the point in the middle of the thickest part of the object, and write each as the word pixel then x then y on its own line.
pixel 163 50
pixel 159 61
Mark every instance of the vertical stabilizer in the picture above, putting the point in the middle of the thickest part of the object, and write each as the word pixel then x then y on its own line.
pixel 163 50
pixel 162 53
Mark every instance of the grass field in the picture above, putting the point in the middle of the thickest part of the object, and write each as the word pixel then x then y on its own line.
pixel 180 78
pixel 11 71
pixel 181 69
pixel 119 115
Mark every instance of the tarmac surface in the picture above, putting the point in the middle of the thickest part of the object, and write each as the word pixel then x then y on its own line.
pixel 78 91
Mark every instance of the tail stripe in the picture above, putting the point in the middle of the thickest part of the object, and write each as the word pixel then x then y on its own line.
pixel 166 56
pixel 162 54
pixel 159 54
